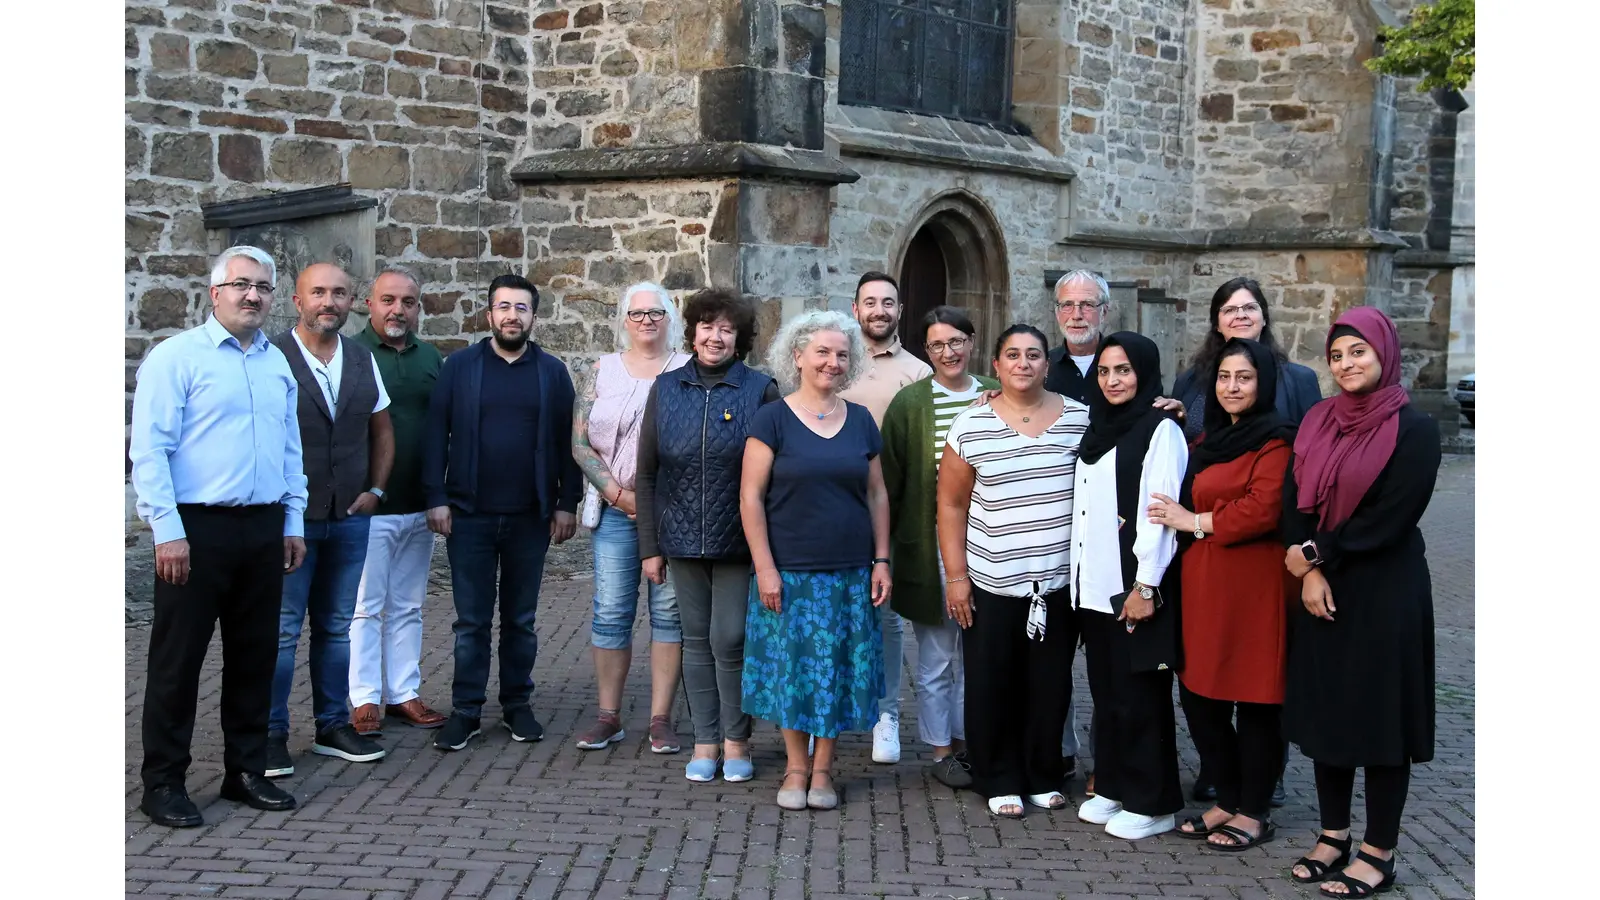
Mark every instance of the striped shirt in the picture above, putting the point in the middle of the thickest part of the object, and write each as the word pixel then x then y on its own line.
pixel 1019 526
pixel 946 405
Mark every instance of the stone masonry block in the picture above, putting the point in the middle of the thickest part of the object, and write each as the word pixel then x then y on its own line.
pixel 226 58
pixel 761 106
pixel 306 162
pixel 444 171
pixel 186 156
pixel 239 157
pixel 378 167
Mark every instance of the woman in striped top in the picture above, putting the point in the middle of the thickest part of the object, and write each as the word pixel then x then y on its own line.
pixel 1005 529
pixel 914 430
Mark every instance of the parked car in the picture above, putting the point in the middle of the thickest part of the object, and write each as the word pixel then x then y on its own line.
pixel 1464 392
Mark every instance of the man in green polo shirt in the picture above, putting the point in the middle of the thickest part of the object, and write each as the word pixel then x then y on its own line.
pixel 386 635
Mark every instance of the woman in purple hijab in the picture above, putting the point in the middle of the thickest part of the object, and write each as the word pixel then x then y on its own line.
pixel 1359 692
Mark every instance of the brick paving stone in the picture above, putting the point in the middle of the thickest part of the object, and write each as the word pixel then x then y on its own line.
pixel 546 820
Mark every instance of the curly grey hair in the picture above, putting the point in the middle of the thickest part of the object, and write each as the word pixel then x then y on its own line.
pixel 671 327
pixel 795 336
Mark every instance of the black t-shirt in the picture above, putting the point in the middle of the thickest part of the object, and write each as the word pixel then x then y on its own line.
pixel 817 513
pixel 508 435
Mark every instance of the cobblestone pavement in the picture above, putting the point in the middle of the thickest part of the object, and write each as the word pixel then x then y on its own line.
pixel 546 820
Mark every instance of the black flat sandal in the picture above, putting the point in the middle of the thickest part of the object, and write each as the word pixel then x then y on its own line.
pixel 1358 888
pixel 1198 823
pixel 1242 840
pixel 1319 870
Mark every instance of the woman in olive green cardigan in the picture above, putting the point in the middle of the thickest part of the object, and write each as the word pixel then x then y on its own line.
pixel 914 431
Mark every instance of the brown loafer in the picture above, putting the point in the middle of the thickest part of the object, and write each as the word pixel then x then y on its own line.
pixel 416 713
pixel 365 720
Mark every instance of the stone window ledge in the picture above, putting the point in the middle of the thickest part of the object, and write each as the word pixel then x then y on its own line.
pixel 285 206
pixel 1210 241
pixel 947 143
pixel 709 160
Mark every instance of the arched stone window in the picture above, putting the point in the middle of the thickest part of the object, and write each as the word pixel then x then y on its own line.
pixel 939 57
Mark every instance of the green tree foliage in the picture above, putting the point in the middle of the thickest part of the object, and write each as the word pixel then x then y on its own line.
pixel 1437 44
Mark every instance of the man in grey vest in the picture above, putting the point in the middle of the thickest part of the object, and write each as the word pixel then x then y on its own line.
pixel 347 442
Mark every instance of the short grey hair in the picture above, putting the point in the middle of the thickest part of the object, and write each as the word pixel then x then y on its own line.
pixel 405 272
pixel 219 269
pixel 1084 275
pixel 671 327
pixel 795 336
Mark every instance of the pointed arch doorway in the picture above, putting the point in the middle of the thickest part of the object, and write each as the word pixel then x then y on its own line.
pixel 954 255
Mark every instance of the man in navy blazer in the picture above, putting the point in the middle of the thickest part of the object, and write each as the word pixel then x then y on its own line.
pixel 501 485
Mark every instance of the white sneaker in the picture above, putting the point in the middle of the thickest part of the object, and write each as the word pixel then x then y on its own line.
pixel 1098 810
pixel 886 740
pixel 1132 826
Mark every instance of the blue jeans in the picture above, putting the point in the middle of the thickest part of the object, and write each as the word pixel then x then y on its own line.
pixel 324 587
pixel 616 588
pixel 478 546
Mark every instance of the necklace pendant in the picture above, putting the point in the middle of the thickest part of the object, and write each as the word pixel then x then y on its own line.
pixel 1026 419
pixel 821 416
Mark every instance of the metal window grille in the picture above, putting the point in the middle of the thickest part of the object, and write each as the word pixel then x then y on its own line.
pixel 939 57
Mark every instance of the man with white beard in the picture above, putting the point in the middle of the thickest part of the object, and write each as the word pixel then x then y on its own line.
pixel 386 634
pixel 877 310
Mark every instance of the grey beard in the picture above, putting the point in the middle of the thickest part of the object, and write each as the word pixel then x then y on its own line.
pixel 394 332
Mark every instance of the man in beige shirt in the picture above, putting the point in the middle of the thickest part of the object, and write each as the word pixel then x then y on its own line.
pixel 877 310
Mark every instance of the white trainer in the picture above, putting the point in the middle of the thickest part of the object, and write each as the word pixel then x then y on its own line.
pixel 1098 810
pixel 1132 826
pixel 886 740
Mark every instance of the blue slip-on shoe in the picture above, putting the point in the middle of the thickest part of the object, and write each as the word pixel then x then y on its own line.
pixel 738 770
pixel 701 770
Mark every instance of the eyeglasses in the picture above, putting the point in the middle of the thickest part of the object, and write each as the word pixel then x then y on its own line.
pixel 1247 309
pixel 1083 307
pixel 954 345
pixel 243 287
pixel 505 307
pixel 639 315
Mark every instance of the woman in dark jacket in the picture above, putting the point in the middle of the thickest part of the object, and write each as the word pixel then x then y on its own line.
pixel 691 453
pixel 1360 689
pixel 1239 310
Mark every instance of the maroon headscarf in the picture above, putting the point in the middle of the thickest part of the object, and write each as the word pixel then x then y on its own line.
pixel 1345 441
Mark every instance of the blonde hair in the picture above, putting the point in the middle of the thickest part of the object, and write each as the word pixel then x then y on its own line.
pixel 795 336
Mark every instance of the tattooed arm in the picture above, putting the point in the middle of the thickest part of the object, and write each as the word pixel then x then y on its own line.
pixel 594 469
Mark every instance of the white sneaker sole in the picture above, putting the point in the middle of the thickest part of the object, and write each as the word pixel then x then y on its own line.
pixel 523 738
pixel 279 773
pixel 321 750
pixel 475 733
pixel 1161 825
pixel 600 746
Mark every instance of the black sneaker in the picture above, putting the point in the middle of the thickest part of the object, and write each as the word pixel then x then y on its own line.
pixel 279 763
pixel 343 742
pixel 951 772
pixel 456 732
pixel 1279 798
pixel 522 725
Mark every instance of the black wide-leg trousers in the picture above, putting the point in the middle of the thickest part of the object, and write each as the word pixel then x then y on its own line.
pixel 1135 733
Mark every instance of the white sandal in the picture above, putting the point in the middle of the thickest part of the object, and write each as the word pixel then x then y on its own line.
pixel 998 803
pixel 1052 800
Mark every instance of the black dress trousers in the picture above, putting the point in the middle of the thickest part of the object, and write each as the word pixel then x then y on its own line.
pixel 1135 732
pixel 236 577
pixel 1017 692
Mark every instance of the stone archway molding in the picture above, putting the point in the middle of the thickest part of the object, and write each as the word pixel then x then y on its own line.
pixel 979 274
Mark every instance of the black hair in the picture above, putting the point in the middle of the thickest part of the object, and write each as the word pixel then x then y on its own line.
pixel 1209 354
pixel 876 276
pixel 515 282
pixel 712 304
pixel 948 315
pixel 1020 328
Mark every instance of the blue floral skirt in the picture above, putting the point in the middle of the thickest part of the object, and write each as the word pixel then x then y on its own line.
pixel 816 667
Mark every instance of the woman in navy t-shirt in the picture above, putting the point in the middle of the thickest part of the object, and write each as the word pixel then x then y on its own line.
pixel 816 517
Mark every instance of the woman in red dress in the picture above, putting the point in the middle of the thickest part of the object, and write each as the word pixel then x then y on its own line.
pixel 1235 614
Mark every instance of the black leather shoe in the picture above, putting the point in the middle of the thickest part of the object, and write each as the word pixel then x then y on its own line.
pixel 170 806
pixel 256 791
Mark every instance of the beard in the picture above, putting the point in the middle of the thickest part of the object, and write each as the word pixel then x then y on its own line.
pixel 316 324
pixel 878 329
pixel 395 330
pixel 510 342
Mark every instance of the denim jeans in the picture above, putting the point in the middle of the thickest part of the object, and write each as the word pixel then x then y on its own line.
pixel 324 587
pixel 479 547
pixel 894 662
pixel 616 588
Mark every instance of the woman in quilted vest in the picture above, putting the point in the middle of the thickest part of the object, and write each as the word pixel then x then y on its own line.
pixel 691 450
pixel 605 442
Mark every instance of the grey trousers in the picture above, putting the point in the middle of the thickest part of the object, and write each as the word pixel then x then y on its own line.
pixel 712 598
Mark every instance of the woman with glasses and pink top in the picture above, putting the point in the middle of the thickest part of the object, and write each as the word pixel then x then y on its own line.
pixel 605 442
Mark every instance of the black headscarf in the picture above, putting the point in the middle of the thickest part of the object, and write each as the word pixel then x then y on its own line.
pixel 1226 440
pixel 1108 423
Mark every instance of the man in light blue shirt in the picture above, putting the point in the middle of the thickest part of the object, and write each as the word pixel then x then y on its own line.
pixel 218 471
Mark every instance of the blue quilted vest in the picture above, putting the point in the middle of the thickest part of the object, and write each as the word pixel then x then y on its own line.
pixel 700 435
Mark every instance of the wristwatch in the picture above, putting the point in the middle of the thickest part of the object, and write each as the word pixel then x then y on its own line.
pixel 1309 550
pixel 1198 531
pixel 376 492
pixel 1144 590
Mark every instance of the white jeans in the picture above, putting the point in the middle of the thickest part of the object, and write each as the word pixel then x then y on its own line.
pixel 386 634
pixel 941 683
